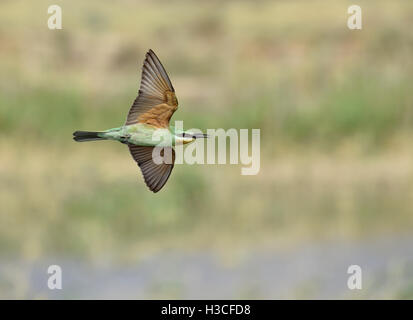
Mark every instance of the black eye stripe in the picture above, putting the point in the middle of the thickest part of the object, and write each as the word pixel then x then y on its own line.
pixel 184 135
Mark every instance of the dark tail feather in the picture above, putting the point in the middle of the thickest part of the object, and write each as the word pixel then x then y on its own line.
pixel 81 136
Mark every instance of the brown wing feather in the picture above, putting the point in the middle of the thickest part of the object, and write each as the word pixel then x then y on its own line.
pixel 156 101
pixel 155 175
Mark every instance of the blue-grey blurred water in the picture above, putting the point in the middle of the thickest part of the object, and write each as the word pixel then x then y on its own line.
pixel 313 271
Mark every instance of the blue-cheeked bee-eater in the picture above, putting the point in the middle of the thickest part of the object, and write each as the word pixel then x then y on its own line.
pixel 150 112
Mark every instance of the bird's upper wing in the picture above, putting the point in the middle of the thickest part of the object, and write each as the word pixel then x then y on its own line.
pixel 156 101
pixel 155 175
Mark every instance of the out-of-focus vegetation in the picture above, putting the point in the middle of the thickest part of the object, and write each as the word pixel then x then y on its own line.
pixel 335 109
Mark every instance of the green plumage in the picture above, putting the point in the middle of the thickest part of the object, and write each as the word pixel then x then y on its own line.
pixel 138 134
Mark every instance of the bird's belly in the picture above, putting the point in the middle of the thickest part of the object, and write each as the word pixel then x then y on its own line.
pixel 150 137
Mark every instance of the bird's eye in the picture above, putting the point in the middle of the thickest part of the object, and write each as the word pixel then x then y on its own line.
pixel 183 135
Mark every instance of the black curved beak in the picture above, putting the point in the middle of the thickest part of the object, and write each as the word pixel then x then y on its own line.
pixel 200 135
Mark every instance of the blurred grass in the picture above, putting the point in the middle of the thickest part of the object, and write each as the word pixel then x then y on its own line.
pixel 334 107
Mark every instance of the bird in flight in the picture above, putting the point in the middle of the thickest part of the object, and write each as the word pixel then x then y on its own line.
pixel 147 132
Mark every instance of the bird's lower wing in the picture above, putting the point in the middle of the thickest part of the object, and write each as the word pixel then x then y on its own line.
pixel 156 164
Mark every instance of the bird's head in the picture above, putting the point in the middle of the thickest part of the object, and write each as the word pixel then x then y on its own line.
pixel 184 137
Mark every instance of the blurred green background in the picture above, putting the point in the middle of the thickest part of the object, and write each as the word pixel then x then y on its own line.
pixel 334 107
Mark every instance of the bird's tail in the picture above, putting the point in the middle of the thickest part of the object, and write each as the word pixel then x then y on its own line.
pixel 81 136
